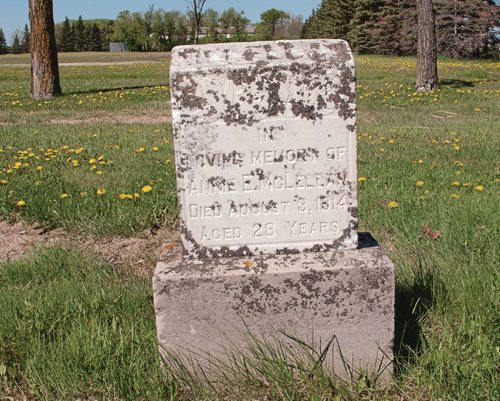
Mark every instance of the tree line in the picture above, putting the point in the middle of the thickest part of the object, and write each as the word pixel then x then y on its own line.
pixel 160 30
pixel 20 42
pixel 464 28
pixel 157 29
pixel 81 35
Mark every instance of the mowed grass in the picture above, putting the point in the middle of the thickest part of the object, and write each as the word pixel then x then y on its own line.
pixel 428 191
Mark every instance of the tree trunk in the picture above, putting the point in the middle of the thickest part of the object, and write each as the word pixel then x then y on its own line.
pixel 44 66
pixel 427 74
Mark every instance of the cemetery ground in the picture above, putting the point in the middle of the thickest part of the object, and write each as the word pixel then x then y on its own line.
pixel 94 169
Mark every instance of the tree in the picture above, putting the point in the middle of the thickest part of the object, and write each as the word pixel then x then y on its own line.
pixel 427 74
pixel 273 17
pixel 44 65
pixel 80 38
pixel 3 42
pixel 95 44
pixel 467 28
pixel 176 27
pixel 25 42
pixel 16 44
pixel 195 8
pixel 231 21
pixel 66 38
pixel 211 21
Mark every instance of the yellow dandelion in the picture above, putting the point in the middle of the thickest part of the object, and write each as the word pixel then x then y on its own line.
pixel 39 168
pixel 248 264
pixel 467 184
pixel 456 147
pixel 361 179
pixel 21 203
pixel 4 182
pixel 136 195
pixel 83 194
pixel 156 148
pixel 63 195
pixel 99 172
pixel 147 188
pixel 455 196
pixel 420 161
pixel 479 188
pixel 420 183
pixel 455 184
pixel 92 161
pixel 392 204
pixel 139 150
pixel 101 191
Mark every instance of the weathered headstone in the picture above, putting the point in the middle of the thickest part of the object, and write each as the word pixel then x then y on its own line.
pixel 265 147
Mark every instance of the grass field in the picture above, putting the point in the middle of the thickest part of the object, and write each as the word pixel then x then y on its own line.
pixel 99 161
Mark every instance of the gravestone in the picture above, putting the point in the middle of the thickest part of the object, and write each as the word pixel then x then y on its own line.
pixel 265 149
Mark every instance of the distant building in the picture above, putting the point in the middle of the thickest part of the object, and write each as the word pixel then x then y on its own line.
pixel 118 47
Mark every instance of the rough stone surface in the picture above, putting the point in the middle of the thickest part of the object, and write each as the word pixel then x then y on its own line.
pixel 202 306
pixel 265 147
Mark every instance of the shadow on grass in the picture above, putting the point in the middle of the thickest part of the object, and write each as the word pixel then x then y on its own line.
pixel 456 83
pixel 120 88
pixel 412 302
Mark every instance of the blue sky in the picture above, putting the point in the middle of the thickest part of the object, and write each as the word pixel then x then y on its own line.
pixel 14 13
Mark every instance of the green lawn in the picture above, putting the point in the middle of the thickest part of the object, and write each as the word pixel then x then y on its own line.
pixel 72 327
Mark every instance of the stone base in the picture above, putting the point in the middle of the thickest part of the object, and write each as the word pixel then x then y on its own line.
pixel 204 307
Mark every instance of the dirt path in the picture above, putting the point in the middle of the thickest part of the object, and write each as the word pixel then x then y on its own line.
pixel 92 63
pixel 140 253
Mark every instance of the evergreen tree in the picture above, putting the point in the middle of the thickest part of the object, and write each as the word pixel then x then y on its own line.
pixel 467 28
pixel 80 39
pixel 66 42
pixel 363 33
pixel 16 44
pixel 87 37
pixel 331 20
pixel 3 43
pixel 25 42
pixel 95 39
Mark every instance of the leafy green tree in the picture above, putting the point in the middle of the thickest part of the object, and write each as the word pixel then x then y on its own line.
pixel 3 43
pixel 25 41
pixel 232 21
pixel 176 28
pixel 211 21
pixel 272 17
